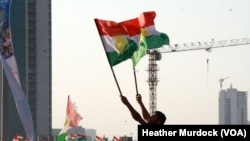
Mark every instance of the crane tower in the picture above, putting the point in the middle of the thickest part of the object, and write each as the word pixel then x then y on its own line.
pixel 155 55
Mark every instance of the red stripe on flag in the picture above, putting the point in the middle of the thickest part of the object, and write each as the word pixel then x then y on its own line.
pixel 147 18
pixel 129 27
pixel 110 28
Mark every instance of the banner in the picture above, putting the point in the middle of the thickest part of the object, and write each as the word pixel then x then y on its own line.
pixel 11 70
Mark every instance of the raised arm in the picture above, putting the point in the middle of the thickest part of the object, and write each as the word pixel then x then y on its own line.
pixel 145 113
pixel 136 116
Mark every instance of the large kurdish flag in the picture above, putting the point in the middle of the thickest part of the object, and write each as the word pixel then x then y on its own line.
pixel 150 38
pixel 131 38
pixel 120 40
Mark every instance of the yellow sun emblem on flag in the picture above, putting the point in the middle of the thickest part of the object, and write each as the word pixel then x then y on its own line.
pixel 120 42
pixel 144 32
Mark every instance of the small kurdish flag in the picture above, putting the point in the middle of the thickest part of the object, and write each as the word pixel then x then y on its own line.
pixel 98 138
pixel 116 138
pixel 72 120
pixel 120 40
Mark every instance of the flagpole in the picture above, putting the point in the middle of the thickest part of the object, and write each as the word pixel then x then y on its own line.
pixel 117 84
pixel 136 87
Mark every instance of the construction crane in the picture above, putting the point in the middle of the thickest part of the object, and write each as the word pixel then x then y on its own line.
pixel 155 55
pixel 221 81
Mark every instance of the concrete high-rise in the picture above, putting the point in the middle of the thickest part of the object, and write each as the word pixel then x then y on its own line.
pixel 31 35
pixel 233 107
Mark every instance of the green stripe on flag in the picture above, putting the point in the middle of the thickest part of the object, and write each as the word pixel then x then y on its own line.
pixel 82 139
pixel 61 137
pixel 116 58
pixel 156 41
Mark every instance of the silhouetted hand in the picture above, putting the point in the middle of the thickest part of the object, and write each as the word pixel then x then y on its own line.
pixel 138 98
pixel 124 100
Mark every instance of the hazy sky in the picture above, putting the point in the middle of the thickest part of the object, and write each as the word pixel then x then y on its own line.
pixel 188 87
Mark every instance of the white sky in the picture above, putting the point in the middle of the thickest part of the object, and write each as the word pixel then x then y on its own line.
pixel 188 88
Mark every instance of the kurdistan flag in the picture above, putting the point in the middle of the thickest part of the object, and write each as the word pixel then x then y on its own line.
pixel 150 38
pixel 116 138
pixel 98 138
pixel 119 40
pixel 76 137
pixel 72 120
